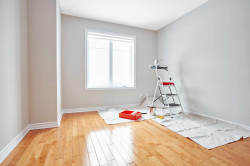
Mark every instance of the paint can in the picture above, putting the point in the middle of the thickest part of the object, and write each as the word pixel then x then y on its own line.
pixel 152 111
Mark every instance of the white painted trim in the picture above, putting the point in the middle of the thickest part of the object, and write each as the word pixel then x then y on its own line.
pixel 44 125
pixel 101 108
pixel 59 119
pixel 112 88
pixel 109 33
pixel 243 126
pixel 8 148
pixel 87 30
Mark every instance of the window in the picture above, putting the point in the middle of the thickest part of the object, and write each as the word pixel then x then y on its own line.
pixel 110 60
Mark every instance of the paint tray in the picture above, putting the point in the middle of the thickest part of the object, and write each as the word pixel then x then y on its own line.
pixel 132 115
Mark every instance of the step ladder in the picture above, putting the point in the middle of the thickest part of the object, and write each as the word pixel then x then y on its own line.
pixel 167 90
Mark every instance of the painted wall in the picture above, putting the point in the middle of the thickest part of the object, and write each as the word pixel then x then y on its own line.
pixel 42 60
pixel 208 53
pixel 74 94
pixel 14 115
pixel 58 59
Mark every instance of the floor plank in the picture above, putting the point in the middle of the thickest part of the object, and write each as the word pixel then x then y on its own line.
pixel 85 139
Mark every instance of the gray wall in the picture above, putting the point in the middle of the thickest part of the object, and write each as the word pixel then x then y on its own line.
pixel 42 60
pixel 14 115
pixel 208 52
pixel 74 94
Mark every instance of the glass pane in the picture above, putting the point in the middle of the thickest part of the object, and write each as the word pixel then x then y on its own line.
pixel 98 63
pixel 122 63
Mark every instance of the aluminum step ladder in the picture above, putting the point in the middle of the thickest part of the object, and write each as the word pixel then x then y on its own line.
pixel 167 90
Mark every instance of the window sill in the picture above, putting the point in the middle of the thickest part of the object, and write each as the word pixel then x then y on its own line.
pixel 112 88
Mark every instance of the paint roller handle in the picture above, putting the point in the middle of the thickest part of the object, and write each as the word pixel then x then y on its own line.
pixel 133 113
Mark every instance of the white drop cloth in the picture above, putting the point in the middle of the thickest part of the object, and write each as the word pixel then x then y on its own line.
pixel 111 116
pixel 207 132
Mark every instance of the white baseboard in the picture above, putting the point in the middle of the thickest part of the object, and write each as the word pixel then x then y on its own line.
pixel 243 126
pixel 8 148
pixel 59 118
pixel 101 108
pixel 44 125
pixel 89 109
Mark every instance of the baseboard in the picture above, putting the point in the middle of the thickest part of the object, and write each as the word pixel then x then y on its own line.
pixel 243 126
pixel 8 148
pixel 89 109
pixel 101 108
pixel 44 125
pixel 59 118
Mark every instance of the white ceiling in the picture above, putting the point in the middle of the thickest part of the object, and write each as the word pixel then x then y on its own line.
pixel 147 14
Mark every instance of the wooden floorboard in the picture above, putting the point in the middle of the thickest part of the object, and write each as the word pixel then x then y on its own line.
pixel 85 139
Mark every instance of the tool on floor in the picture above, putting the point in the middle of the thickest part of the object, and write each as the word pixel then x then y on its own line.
pixel 132 115
pixel 161 117
pixel 167 90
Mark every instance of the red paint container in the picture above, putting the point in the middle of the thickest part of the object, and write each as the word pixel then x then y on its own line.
pixel 132 115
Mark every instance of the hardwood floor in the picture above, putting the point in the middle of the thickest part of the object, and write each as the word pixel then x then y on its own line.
pixel 85 139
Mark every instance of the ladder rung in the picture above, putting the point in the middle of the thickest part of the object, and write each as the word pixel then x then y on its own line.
pixel 173 105
pixel 167 83
pixel 169 94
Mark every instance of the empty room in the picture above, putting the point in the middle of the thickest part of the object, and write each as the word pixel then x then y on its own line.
pixel 124 82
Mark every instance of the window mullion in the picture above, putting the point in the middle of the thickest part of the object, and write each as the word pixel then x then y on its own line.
pixel 111 63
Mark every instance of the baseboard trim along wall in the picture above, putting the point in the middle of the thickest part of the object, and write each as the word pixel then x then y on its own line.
pixel 44 125
pixel 192 112
pixel 89 109
pixel 100 108
pixel 8 148
pixel 59 119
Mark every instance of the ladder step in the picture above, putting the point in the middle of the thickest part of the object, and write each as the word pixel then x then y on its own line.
pixel 169 94
pixel 167 83
pixel 174 105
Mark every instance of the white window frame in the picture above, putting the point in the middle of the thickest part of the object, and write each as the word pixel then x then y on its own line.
pixel 86 59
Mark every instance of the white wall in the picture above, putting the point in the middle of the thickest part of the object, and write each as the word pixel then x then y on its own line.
pixel 14 115
pixel 42 60
pixel 58 59
pixel 208 53
pixel 74 94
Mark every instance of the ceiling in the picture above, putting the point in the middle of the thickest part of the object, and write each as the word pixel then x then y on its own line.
pixel 147 14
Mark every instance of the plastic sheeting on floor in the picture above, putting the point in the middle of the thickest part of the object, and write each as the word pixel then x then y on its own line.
pixel 207 132
pixel 111 116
